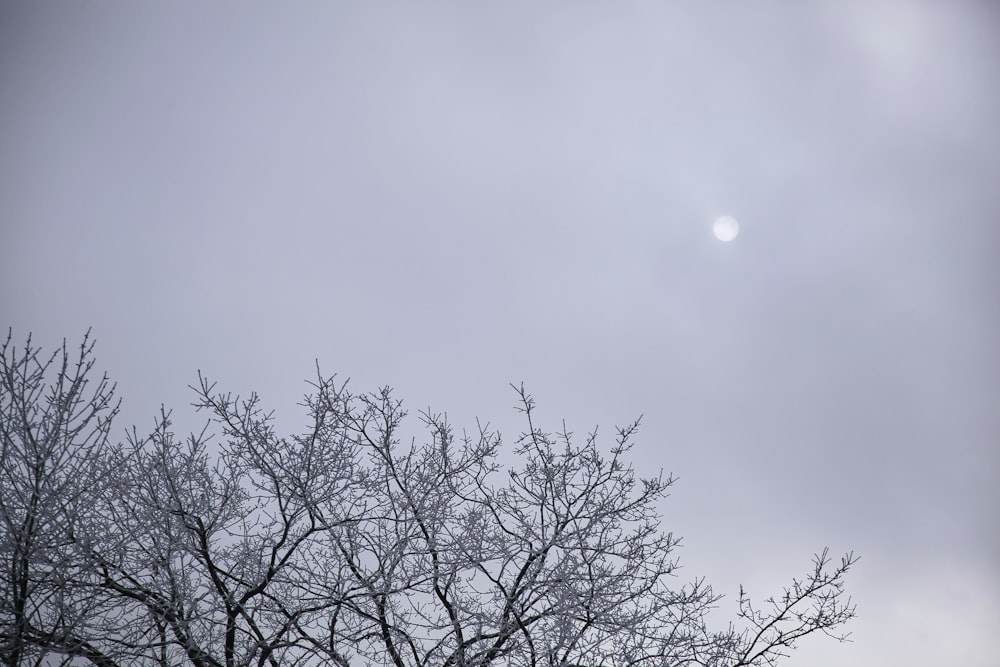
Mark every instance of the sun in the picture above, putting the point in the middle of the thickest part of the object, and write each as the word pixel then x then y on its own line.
pixel 726 228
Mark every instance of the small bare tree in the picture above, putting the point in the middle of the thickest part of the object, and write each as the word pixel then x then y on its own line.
pixel 341 545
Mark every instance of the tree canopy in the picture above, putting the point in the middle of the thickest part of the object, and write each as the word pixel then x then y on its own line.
pixel 343 545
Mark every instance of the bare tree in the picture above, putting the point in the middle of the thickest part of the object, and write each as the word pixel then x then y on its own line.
pixel 225 558
pixel 560 561
pixel 53 460
pixel 342 545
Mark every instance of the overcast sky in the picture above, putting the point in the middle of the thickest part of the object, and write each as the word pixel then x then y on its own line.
pixel 446 198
